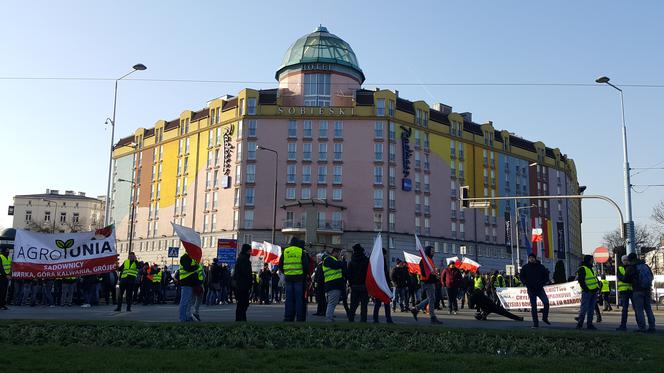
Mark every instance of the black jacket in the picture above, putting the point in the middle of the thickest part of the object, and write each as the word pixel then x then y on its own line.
pixel 400 277
pixel 357 271
pixel 242 276
pixel 632 277
pixel 534 276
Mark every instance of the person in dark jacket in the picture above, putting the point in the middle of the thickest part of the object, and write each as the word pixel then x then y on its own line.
pixel 534 275
pixel 357 275
pixel 486 306
pixel 452 280
pixel 429 281
pixel 128 272
pixel 335 283
pixel 378 302
pixel 400 278
pixel 214 284
pixel 188 281
pixel 265 278
pixel 319 286
pixel 242 279
pixel 640 293
pixel 276 290
pixel 294 264
pixel 589 287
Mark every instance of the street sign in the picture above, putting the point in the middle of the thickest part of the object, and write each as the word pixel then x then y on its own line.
pixel 10 210
pixel 227 251
pixel 462 249
pixel 601 255
pixel 173 252
pixel 479 204
pixel 509 270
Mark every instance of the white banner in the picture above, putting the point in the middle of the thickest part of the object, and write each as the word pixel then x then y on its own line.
pixel 42 255
pixel 560 295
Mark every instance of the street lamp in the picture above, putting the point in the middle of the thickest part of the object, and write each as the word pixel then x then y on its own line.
pixel 137 67
pixel 133 207
pixel 628 186
pixel 56 211
pixel 276 174
pixel 518 249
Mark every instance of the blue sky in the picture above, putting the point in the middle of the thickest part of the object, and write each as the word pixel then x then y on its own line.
pixel 54 133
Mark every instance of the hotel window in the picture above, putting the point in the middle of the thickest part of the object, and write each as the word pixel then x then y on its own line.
pixel 205 207
pixel 427 226
pixel 179 167
pixel 338 172
pixel 240 127
pixel 292 128
pixel 338 129
pixel 251 150
pixel 426 183
pixel 322 174
pixel 306 174
pixel 336 194
pixel 236 219
pixel 380 107
pixel 418 230
pixel 322 152
pixel 307 129
pixel 238 154
pixel 251 106
pixel 378 152
pixel 205 224
pixel 338 151
pixel 418 161
pixel 217 157
pixel 316 89
pixel 392 176
pixel 292 151
pixel 242 108
pixel 336 219
pixel 249 196
pixel 28 215
pixel 390 198
pixel 248 219
pixel 426 141
pixel 211 138
pixel 418 206
pixel 378 221
pixel 392 131
pixel 306 151
pixel 215 200
pixel 306 193
pixel 378 130
pixel 184 186
pixel 378 175
pixel 290 193
pixel 391 219
pixel 392 153
pixel 291 170
pixel 219 137
pixel 322 129
pixel 236 198
pixel 417 182
pixel 252 128
pixel 391 108
pixel 251 173
pixel 417 138
pixel 378 198
pixel 63 217
pixel 321 193
pixel 186 165
pixel 238 174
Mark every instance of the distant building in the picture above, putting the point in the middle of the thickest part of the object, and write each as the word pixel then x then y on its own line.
pixel 52 211
pixel 655 259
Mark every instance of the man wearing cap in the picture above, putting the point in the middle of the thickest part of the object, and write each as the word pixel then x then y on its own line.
pixel 534 275
pixel 294 264
pixel 625 291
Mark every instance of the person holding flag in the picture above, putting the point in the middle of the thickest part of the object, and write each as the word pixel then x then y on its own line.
pixel 429 280
pixel 189 268
pixel 382 293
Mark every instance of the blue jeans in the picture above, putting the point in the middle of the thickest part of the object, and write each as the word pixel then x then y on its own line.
pixel 541 294
pixel 212 297
pixel 430 290
pixel 587 309
pixel 641 301
pixel 294 301
pixel 186 293
pixel 625 297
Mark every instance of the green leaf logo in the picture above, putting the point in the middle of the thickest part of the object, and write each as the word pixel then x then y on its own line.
pixel 69 243
pixel 64 245
pixel 60 244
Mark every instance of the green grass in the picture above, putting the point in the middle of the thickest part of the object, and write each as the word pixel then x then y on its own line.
pixel 54 346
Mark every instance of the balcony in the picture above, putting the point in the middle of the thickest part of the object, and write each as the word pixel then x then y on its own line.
pixel 293 226
pixel 330 227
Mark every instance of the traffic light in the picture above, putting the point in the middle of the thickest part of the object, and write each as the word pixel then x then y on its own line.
pixel 463 196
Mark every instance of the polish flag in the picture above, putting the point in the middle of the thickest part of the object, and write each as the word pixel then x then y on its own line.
pixel 413 262
pixel 257 249
pixel 428 264
pixel 454 259
pixel 376 282
pixel 469 265
pixel 191 241
pixel 537 235
pixel 272 253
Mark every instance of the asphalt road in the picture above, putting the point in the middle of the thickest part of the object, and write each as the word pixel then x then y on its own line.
pixel 561 318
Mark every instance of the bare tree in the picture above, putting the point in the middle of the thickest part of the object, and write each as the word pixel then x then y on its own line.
pixel 658 214
pixel 643 234
pixel 41 227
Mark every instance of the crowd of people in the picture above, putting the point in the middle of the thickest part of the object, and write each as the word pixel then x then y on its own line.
pixel 328 279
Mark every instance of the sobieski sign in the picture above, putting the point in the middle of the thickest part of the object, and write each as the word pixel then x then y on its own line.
pixel 41 255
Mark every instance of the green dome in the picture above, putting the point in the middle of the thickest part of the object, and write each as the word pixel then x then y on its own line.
pixel 320 47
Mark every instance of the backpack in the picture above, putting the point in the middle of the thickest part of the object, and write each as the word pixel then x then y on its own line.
pixel 645 276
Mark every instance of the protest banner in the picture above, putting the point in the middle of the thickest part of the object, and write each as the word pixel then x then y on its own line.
pixel 43 255
pixel 560 295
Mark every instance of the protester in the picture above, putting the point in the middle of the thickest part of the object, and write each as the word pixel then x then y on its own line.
pixel 265 278
pixel 335 284
pixel 400 279
pixel 534 275
pixel 625 291
pixel 214 284
pixel 5 275
pixel 357 275
pixel 486 306
pixel 276 290
pixel 319 287
pixel 589 286
pixel 606 290
pixel 452 280
pixel 128 272
pixel 242 279
pixel 189 280
pixel 378 302
pixel 640 276
pixel 429 279
pixel 294 263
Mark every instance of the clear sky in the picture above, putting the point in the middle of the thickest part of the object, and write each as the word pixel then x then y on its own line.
pixel 53 133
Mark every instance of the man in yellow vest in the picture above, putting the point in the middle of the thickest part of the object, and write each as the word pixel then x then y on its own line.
pixel 188 281
pixel 625 292
pixel 335 283
pixel 606 290
pixel 128 272
pixel 156 284
pixel 5 275
pixel 590 286
pixel 294 264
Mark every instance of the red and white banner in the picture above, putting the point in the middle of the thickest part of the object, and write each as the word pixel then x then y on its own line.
pixel 560 295
pixel 469 265
pixel 43 255
pixel 376 281
pixel 413 263
pixel 257 249
pixel 537 235
pixel 191 241
pixel 272 253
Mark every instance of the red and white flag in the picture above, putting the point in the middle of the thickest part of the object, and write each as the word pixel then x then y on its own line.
pixel 429 267
pixel 413 263
pixel 191 241
pixel 376 281
pixel 454 259
pixel 272 253
pixel 469 265
pixel 537 235
pixel 257 249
